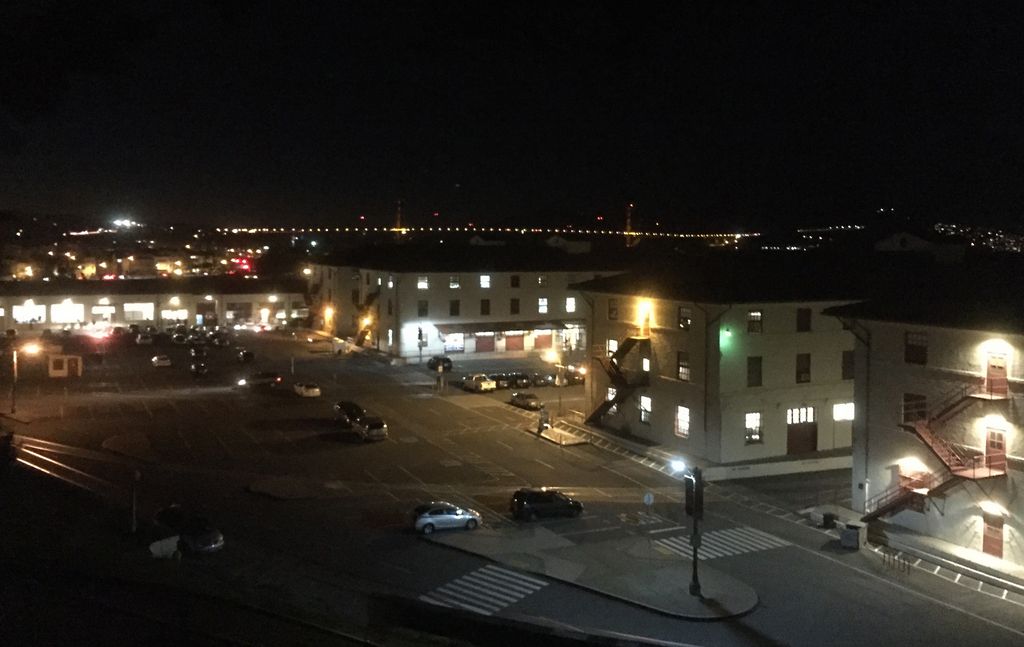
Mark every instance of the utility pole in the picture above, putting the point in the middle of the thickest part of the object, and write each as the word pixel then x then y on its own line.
pixel 694 482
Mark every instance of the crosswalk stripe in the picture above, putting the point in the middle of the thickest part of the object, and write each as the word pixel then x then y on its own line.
pixel 486 590
pixel 513 574
pixel 724 543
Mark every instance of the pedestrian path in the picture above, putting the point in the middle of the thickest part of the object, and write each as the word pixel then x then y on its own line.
pixel 722 543
pixel 486 590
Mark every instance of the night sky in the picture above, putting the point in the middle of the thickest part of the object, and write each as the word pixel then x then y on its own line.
pixel 724 117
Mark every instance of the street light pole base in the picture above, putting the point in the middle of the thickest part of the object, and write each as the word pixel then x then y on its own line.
pixel 695 589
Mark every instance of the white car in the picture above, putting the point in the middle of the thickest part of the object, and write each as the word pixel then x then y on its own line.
pixel 479 383
pixel 161 360
pixel 306 389
pixel 440 515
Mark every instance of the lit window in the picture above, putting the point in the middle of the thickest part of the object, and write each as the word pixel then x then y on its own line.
pixel 611 396
pixel 67 312
pixel 799 415
pixel 842 411
pixel 542 305
pixel 682 426
pixel 754 321
pixel 380 281
pixel 542 280
pixel 752 428
pixel 645 409
pixel 685 318
pixel 570 304
pixel 453 281
pixel 422 283
pixel 391 282
pixel 683 366
pixel 646 363
pixel 613 346
pixel 29 312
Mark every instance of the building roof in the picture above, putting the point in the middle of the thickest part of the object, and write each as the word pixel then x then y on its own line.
pixel 462 257
pixel 740 277
pixel 180 285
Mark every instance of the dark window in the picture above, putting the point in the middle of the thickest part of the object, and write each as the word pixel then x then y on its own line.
pixel 683 366
pixel 367 279
pixel 915 348
pixel 847 364
pixel 803 368
pixel 685 318
pixel 485 306
pixel 915 407
pixel 803 320
pixel 754 321
pixel 613 309
pixel 453 307
pixel 355 297
pixel 513 306
pixel 391 307
pixel 421 308
pixel 514 280
pixel 754 371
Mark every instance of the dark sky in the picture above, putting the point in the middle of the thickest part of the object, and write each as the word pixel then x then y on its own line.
pixel 726 116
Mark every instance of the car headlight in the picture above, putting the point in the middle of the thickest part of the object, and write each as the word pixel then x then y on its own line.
pixel 241 382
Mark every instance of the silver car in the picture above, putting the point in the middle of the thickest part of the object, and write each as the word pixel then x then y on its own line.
pixel 441 515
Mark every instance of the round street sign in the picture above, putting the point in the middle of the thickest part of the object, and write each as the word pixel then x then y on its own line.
pixel 648 499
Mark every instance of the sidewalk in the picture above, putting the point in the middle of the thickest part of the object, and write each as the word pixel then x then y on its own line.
pixel 626 568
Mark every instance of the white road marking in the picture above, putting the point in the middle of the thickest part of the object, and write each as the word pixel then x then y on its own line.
pixel 412 476
pixel 543 463
pixel 505 445
pixel 486 590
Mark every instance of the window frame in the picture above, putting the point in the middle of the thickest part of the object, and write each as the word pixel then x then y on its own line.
pixel 915 348
pixel 423 308
pixel 645 414
pixel 753 360
pixel 570 304
pixel 848 368
pixel 422 282
pixel 542 305
pixel 485 307
pixel 485 281
pixel 753 434
pixel 683 372
pixel 685 317
pixel 803 373
pixel 613 309
pixel 454 282
pixel 681 422
pixel 803 319
pixel 454 307
pixel 513 305
pixel 755 321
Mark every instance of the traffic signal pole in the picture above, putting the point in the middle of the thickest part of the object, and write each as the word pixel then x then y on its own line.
pixel 695 510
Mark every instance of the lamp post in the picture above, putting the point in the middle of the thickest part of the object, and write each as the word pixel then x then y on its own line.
pixel 694 504
pixel 30 349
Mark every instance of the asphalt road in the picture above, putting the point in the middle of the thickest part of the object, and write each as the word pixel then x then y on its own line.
pixel 277 473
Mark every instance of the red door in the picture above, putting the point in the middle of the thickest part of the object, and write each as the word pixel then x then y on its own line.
pixel 992 542
pixel 73 370
pixel 995 449
pixel 514 342
pixel 542 341
pixel 484 343
pixel 995 376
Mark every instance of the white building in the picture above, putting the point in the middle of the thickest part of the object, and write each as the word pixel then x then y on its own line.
pixel 937 440
pixel 416 301
pixel 725 359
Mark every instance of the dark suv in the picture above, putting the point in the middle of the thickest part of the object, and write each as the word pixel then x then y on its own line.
pixel 532 504
pixel 348 413
pixel 440 360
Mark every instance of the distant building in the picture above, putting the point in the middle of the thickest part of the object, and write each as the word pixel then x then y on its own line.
pixel 39 305
pixel 725 358
pixel 416 301
pixel 937 442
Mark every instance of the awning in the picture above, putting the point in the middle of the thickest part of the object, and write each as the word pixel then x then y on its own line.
pixel 471 327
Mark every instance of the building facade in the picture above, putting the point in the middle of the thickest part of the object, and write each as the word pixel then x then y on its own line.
pixel 39 305
pixel 937 444
pixel 485 301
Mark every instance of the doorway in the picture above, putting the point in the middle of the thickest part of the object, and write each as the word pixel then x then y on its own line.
pixel 992 541
pixel 995 448
pixel 995 376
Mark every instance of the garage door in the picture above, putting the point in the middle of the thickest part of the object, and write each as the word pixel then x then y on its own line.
pixel 542 340
pixel 514 342
pixel 484 343
pixel 802 438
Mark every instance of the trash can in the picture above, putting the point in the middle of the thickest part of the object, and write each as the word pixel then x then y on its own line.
pixel 828 520
pixel 853 535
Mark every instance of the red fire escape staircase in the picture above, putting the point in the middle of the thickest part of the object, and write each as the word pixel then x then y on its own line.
pixel 624 381
pixel 365 310
pixel 958 463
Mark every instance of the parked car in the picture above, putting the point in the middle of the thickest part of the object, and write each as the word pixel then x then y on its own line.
pixel 501 381
pixel 543 379
pixel 371 428
pixel 441 515
pixel 526 401
pixel 479 383
pixel 519 381
pixel 440 360
pixel 348 412
pixel 245 356
pixel 306 389
pixel 575 376
pixel 198 368
pixel 263 379
pixel 195 534
pixel 532 504
pixel 161 360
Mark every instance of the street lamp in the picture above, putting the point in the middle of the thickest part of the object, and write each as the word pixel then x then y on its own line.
pixel 693 480
pixel 29 349
pixel 552 357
